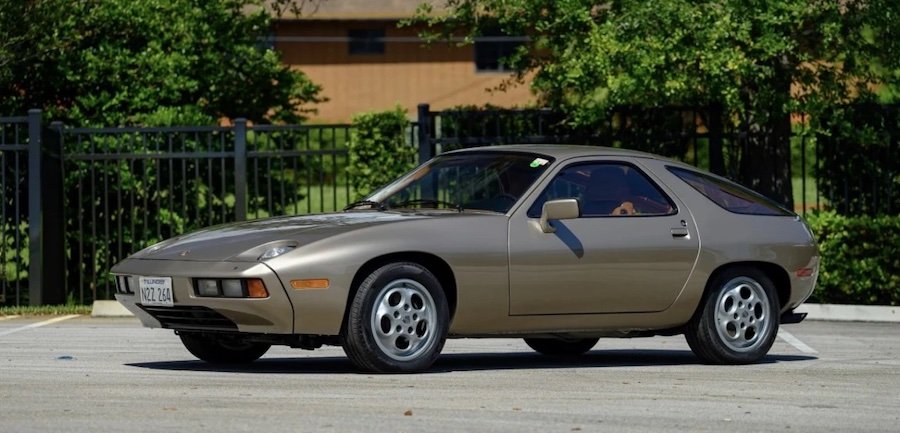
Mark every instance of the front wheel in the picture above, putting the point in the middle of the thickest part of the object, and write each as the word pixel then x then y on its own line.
pixel 222 349
pixel 397 321
pixel 738 319
pixel 561 347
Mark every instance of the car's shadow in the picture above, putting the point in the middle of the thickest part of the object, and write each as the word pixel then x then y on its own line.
pixel 463 362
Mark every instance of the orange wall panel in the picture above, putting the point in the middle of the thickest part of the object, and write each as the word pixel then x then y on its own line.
pixel 408 73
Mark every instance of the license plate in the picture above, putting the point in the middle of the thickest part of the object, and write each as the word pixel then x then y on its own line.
pixel 156 291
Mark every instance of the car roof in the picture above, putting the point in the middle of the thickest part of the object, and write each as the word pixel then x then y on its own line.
pixel 564 151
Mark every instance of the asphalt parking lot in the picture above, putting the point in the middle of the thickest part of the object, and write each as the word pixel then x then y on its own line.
pixel 81 374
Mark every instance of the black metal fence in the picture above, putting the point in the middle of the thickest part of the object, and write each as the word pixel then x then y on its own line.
pixel 127 188
pixel 19 142
pixel 690 134
pixel 861 174
pixel 77 200
pixel 104 193
pixel 696 135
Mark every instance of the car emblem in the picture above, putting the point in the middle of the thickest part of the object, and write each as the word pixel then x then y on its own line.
pixel 184 253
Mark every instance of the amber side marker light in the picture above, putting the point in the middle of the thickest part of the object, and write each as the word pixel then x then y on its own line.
pixel 256 289
pixel 310 284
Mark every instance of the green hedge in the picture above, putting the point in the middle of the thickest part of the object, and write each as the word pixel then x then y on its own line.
pixel 378 150
pixel 860 259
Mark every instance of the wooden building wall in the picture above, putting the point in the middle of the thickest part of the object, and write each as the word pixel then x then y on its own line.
pixel 407 73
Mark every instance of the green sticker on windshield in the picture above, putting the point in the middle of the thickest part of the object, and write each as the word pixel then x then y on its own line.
pixel 538 162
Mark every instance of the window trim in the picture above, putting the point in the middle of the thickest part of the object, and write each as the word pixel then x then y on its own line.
pixel 643 173
pixel 717 179
pixel 366 42
pixel 496 43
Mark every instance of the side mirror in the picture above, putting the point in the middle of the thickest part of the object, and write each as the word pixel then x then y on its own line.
pixel 562 209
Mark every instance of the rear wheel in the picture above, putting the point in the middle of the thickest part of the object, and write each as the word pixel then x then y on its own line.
pixel 222 349
pixel 561 347
pixel 397 321
pixel 738 319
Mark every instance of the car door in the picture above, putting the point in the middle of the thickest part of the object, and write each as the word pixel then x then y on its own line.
pixel 631 250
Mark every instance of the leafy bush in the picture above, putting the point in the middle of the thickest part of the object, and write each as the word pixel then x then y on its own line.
pixel 860 259
pixel 378 150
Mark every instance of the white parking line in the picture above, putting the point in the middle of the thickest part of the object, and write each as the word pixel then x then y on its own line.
pixel 794 341
pixel 38 324
pixel 2 318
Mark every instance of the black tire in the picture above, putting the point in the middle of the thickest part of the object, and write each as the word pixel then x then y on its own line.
pixel 397 321
pixel 222 349
pixel 738 319
pixel 560 347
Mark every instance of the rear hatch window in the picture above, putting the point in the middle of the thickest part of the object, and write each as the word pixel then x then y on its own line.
pixel 729 195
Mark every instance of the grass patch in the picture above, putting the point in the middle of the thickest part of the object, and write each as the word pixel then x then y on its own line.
pixel 809 197
pixel 44 310
pixel 324 198
pixel 318 199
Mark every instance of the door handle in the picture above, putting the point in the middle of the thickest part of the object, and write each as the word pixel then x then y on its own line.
pixel 679 232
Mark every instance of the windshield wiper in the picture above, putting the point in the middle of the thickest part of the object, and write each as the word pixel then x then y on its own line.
pixel 427 201
pixel 374 204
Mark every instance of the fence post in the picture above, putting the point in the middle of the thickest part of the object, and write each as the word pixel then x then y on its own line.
pixel 240 169
pixel 426 145
pixel 35 241
pixel 55 287
pixel 716 140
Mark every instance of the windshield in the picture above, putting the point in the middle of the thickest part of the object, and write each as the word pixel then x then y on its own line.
pixel 490 181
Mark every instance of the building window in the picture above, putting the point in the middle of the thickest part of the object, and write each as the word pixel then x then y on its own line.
pixel 491 48
pixel 366 41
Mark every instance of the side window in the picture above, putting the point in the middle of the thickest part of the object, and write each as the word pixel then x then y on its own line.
pixel 492 47
pixel 606 189
pixel 730 196
pixel 365 41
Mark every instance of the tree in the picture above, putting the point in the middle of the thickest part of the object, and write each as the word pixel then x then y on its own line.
pixel 117 62
pixel 758 59
pixel 110 63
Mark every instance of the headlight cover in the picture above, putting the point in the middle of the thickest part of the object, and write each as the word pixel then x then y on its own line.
pixel 275 251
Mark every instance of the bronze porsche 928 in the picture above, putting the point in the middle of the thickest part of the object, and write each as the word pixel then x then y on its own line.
pixel 558 245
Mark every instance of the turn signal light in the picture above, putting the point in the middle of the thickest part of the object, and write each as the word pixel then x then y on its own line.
pixel 256 289
pixel 310 284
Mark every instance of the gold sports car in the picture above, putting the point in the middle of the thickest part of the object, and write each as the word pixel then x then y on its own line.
pixel 558 245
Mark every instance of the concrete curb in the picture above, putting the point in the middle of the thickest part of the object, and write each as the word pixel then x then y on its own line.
pixel 109 309
pixel 851 313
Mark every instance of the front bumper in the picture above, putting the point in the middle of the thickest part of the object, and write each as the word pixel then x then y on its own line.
pixel 272 315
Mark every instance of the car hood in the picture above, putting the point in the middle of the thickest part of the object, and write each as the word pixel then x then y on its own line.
pixel 246 241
